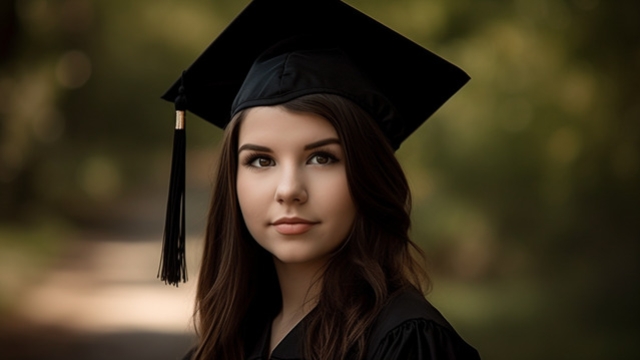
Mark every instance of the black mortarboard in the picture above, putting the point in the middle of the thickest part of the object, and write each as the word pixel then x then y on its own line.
pixel 277 50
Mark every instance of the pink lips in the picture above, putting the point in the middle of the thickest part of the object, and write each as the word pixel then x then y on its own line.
pixel 293 226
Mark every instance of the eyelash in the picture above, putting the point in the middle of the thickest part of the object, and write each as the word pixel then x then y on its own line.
pixel 252 157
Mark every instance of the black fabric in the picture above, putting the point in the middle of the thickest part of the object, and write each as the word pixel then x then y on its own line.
pixel 397 81
pixel 281 76
pixel 408 327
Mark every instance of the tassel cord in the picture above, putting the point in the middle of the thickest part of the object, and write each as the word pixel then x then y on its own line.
pixel 173 268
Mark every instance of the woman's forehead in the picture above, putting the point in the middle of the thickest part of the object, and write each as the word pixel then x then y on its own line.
pixel 276 125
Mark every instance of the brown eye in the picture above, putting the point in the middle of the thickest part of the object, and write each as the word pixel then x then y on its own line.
pixel 322 159
pixel 260 162
pixel 264 162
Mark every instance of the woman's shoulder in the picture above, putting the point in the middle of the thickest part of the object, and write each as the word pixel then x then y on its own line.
pixel 409 327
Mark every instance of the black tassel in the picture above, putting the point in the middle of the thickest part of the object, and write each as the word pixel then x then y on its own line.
pixel 173 267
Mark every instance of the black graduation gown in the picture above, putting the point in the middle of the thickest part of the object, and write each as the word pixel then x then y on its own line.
pixel 408 328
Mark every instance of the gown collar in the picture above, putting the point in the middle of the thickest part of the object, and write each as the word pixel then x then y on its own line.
pixel 289 348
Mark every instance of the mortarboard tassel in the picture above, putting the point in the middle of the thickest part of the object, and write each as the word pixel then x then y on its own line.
pixel 173 267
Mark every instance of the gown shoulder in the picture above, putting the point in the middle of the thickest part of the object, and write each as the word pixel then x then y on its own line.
pixel 410 328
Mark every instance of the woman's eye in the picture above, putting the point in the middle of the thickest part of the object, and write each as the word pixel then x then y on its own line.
pixel 322 159
pixel 261 162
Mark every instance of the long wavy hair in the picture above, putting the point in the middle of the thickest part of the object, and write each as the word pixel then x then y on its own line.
pixel 238 287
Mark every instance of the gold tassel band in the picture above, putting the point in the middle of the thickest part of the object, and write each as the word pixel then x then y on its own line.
pixel 180 116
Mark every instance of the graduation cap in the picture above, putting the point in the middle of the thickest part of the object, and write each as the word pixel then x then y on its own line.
pixel 278 50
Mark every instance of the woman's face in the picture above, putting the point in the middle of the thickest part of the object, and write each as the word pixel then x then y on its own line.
pixel 292 184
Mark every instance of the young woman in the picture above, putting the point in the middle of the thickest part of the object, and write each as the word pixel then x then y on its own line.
pixel 307 254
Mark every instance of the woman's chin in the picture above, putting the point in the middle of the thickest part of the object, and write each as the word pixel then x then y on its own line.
pixel 299 258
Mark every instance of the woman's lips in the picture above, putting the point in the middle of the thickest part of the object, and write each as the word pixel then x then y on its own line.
pixel 293 226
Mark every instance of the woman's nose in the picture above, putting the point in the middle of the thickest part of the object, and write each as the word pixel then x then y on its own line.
pixel 291 187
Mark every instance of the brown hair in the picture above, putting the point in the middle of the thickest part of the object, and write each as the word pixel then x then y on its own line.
pixel 375 261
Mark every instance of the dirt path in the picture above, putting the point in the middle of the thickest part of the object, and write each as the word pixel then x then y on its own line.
pixel 103 301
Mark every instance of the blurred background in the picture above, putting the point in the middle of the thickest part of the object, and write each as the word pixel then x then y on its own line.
pixel 526 184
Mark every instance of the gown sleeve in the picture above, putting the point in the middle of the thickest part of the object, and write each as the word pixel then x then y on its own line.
pixel 421 339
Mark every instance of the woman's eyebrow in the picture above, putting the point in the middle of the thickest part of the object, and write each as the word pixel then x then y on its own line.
pixel 324 142
pixel 254 148
pixel 313 145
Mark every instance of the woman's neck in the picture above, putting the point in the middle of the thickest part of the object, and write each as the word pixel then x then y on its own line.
pixel 300 285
